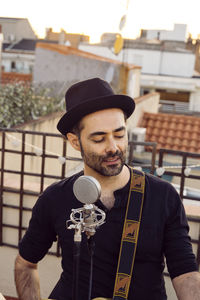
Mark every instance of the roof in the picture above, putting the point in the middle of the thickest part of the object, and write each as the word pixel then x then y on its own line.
pixel 66 50
pixel 27 44
pixel 11 19
pixel 5 45
pixel 170 131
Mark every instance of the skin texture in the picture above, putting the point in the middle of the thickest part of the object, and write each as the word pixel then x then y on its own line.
pixel 26 279
pixel 187 286
pixel 102 142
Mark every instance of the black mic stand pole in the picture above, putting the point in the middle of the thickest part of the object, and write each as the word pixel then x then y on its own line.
pixel 76 260
pixel 85 219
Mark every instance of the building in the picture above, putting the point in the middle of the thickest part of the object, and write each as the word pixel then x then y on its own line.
pixel 14 29
pixel 179 33
pixel 62 37
pixel 60 65
pixel 168 66
pixel 20 56
pixel 16 56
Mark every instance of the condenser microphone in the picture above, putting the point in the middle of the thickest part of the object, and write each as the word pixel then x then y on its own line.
pixel 89 217
pixel 87 189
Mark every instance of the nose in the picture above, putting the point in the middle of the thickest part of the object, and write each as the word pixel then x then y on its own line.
pixel 111 146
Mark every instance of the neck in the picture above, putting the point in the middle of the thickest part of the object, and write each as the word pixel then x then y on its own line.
pixel 111 183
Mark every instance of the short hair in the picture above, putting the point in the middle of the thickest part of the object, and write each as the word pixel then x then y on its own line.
pixel 76 129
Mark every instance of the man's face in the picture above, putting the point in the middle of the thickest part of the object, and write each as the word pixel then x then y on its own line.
pixel 103 141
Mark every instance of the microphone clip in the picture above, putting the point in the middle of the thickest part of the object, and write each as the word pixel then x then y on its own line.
pixel 85 219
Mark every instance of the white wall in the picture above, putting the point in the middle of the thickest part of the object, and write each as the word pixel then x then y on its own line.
pixel 66 67
pixel 133 83
pixel 177 64
pixel 195 101
pixel 152 61
pixel 24 62
pixel 147 103
pixel 101 50
pixel 177 34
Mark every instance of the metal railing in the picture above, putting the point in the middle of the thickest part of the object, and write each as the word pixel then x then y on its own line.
pixel 38 171
pixel 186 159
pixel 24 174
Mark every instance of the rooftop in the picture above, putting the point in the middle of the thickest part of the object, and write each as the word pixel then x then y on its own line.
pixel 171 131
pixel 26 44
pixel 66 50
pixel 11 19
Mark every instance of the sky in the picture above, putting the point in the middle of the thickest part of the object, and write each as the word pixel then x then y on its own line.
pixel 93 17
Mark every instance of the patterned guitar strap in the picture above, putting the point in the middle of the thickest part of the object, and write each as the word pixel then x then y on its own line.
pixel 129 236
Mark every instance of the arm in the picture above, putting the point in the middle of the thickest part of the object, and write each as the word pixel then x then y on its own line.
pixel 26 279
pixel 187 286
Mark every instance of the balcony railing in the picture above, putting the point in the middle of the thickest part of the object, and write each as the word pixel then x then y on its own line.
pixel 30 161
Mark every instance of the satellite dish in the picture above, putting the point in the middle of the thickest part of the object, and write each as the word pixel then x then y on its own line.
pixel 119 42
pixel 122 22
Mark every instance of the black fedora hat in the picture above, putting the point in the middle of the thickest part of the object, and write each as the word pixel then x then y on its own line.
pixel 89 96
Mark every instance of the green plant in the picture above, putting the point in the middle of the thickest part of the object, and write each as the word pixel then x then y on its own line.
pixel 20 103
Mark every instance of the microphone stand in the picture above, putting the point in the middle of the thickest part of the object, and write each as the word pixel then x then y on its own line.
pixel 76 260
pixel 85 219
pixel 91 246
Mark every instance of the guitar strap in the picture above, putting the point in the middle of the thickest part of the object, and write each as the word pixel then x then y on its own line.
pixel 129 236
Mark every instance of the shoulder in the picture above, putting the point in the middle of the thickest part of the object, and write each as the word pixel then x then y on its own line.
pixel 158 183
pixel 57 197
pixel 162 194
pixel 153 182
pixel 64 185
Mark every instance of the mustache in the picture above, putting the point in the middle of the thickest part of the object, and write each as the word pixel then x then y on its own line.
pixel 111 154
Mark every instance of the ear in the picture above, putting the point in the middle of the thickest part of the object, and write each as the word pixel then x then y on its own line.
pixel 74 141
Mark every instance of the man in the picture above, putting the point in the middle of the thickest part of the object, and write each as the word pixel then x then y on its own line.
pixel 95 125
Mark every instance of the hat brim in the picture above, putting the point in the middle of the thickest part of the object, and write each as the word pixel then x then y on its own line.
pixel 72 117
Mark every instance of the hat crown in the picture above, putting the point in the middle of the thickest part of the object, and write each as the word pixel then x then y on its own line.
pixel 84 91
pixel 89 96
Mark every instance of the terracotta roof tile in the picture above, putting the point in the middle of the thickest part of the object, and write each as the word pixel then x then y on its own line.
pixel 195 136
pixel 167 146
pixel 176 142
pixel 155 131
pixel 191 149
pixel 185 142
pixel 179 126
pixel 150 123
pixel 171 133
pixel 161 140
pixel 188 127
pixel 187 135
pixel 158 124
pixel 196 128
pixel 165 125
pixel 163 132
pixel 169 140
pixel 178 132
pixel 148 129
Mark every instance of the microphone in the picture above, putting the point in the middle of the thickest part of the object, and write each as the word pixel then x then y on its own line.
pixel 87 218
pixel 87 189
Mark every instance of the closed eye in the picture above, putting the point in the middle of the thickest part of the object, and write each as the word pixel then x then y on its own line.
pixel 119 136
pixel 98 141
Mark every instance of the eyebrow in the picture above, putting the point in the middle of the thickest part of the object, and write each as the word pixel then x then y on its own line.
pixel 103 132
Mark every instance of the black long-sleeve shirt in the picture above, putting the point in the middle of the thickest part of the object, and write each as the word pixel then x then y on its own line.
pixel 163 232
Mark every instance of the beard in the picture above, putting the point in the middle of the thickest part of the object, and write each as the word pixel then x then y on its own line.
pixel 95 162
